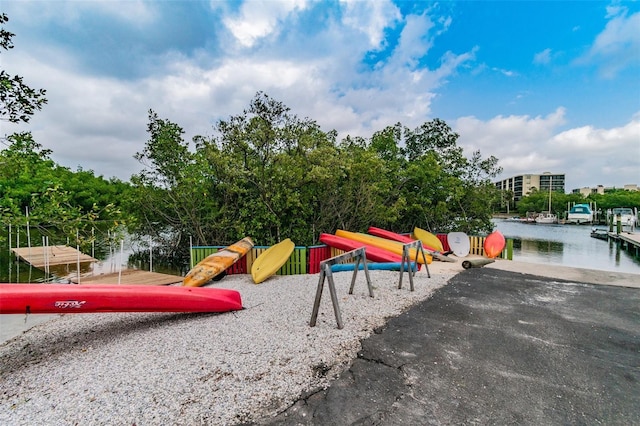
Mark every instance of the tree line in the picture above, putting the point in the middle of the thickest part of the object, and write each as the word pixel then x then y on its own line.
pixel 561 203
pixel 265 173
pixel 268 174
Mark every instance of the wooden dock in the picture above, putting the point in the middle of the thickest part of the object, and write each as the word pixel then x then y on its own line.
pixel 628 240
pixel 129 277
pixel 39 257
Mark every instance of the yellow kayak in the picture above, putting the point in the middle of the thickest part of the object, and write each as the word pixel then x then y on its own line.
pixel 271 260
pixel 383 243
pixel 429 240
pixel 214 264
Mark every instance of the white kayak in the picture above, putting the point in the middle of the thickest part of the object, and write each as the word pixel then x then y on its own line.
pixel 459 243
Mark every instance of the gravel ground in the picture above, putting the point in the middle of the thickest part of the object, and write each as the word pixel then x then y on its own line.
pixel 192 369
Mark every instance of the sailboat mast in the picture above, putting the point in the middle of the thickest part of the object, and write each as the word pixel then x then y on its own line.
pixel 550 184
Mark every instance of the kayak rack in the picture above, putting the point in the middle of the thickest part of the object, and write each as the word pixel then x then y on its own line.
pixel 326 273
pixel 412 267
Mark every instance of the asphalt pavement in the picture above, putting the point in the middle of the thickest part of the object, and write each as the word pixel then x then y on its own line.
pixel 494 347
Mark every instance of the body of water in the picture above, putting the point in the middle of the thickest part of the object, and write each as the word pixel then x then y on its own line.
pixel 566 245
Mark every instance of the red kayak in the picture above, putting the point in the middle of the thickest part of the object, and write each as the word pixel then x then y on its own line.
pixel 374 254
pixel 72 298
pixel 383 233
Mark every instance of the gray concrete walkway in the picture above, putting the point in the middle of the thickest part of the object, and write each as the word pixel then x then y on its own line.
pixel 581 275
pixel 494 347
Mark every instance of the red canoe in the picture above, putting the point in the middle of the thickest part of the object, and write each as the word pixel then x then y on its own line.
pixel 374 254
pixel 72 298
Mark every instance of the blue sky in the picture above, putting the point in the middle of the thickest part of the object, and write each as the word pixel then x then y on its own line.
pixel 542 85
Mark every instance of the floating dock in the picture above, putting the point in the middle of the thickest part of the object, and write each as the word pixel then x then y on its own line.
pixel 40 257
pixel 129 277
pixel 43 257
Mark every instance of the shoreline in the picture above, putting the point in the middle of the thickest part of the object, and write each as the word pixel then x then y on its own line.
pixel 19 324
pixel 231 368
pixel 156 368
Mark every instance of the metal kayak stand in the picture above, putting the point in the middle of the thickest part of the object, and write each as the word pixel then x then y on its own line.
pixel 326 273
pixel 412 267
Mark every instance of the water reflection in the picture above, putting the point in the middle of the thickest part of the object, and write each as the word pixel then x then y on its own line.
pixel 567 245
pixel 112 257
pixel 539 247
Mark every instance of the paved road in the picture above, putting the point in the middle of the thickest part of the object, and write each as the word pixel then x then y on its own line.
pixel 494 347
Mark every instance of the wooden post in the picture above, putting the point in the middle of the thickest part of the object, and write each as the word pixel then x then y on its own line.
pixel 476 263
pixel 120 266
pixel 610 219
pixel 325 273
pixel 191 262
pixel 150 254
pixel 412 267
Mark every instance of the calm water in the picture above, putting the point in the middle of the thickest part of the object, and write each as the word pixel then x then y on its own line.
pixel 566 245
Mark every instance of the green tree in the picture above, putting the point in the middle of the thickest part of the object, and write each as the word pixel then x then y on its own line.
pixel 18 102
pixel 268 174
pixel 434 185
pixel 61 204
pixel 171 197
pixel 616 198
pixel 267 152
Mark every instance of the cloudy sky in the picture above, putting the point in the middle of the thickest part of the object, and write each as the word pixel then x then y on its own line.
pixel 542 85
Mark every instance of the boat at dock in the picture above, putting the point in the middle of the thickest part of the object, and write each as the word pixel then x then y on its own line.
pixel 547 218
pixel 628 216
pixel 600 233
pixel 580 213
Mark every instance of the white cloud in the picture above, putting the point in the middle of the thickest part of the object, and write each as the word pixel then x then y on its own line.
pixel 370 18
pixel 258 19
pixel 506 73
pixel 415 41
pixel 72 13
pixel 518 141
pixel 617 46
pixel 95 123
pixel 542 58
pixel 100 122
pixel 588 156
pixel 592 140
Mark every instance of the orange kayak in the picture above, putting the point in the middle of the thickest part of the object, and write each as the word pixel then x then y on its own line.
pixel 214 264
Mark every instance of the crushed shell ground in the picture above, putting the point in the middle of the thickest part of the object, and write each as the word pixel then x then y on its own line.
pixel 185 369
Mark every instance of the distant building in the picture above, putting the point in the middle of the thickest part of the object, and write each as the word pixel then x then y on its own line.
pixel 600 189
pixel 585 191
pixel 521 185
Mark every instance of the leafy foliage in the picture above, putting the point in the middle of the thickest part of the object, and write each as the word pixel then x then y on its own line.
pixel 616 198
pixel 18 102
pixel 538 201
pixel 272 175
pixel 58 202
